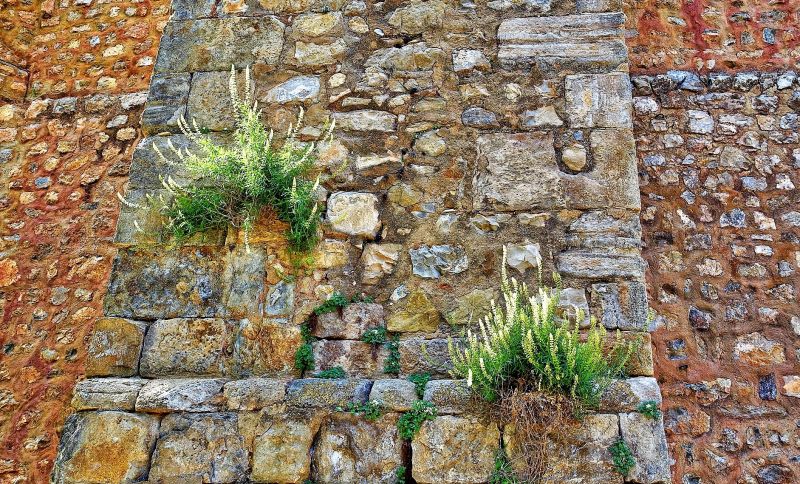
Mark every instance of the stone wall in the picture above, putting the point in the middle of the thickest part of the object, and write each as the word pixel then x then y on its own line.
pixel 718 161
pixel 65 151
pixel 463 128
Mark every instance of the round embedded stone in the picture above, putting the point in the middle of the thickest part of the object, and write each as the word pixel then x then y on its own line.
pixel 574 157
pixel 354 214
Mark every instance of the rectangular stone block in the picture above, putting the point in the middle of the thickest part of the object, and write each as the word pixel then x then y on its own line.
pixel 597 265
pixel 356 358
pixel 425 356
pixel 587 40
pixel 507 163
pixel 166 103
pixel 265 347
pixel 454 449
pixel 209 103
pixel 621 305
pixel 599 100
pixel 321 392
pixel 181 395
pixel 106 394
pixel 217 44
pixel 647 442
pixel 282 451
pixel 188 347
pixel 626 395
pixel 114 347
pixel 254 393
pixel 394 394
pixel 451 397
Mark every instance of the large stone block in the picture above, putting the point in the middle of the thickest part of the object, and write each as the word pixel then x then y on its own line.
pixel 356 358
pixel 350 449
pixel 589 41
pixel 354 320
pixel 452 449
pixel 254 393
pixel 282 452
pixel 596 265
pixel 166 103
pixel 188 347
pixel 321 392
pixel 425 356
pixel 621 305
pixel 205 447
pixel 417 315
pixel 366 120
pixel 217 44
pixel 114 347
pixel 648 443
pixel 626 395
pixel 209 103
pixel 450 396
pixel 188 282
pixel 394 394
pixel 105 447
pixel 265 347
pixel 599 100
pixel 354 213
pixel 181 395
pixel 506 165
pixel 106 394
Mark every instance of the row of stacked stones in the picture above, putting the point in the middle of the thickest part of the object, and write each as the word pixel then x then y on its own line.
pixel 464 127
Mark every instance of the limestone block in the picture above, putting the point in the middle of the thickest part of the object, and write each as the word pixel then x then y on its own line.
pixel 166 103
pixel 592 265
pixel 105 447
pixel 320 392
pixel 191 9
pixel 394 394
pixel 451 397
pixel 106 394
pixel 309 54
pixel 506 164
pixel 379 260
pixel 418 314
pixel 188 347
pixel 265 347
pixel 454 449
pixel 640 362
pixel 282 452
pixel 209 104
pixel 181 394
pixel 425 356
pixel 280 300
pixel 318 24
pixel 296 89
pixel 205 447
pixel 354 214
pixel 626 395
pixel 114 347
pixel 378 164
pixel 621 305
pixel 356 358
pixel 756 349
pixel 599 100
pixel 467 60
pixel 254 393
pixel 217 44
pixel 523 256
pixel 471 307
pixel 147 167
pixel 354 320
pixel 432 261
pixel 350 449
pixel 417 16
pixel 366 120
pixel 647 442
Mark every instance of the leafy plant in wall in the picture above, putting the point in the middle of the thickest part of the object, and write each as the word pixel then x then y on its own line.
pixel 410 422
pixel 391 365
pixel 622 457
pixel 238 180
pixel 419 380
pixel 371 410
pixel 649 409
pixel 304 355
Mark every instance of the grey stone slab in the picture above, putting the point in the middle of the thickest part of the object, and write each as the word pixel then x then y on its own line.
pixel 181 395
pixel 394 394
pixel 217 44
pixel 166 103
pixel 321 392
pixel 106 394
pixel 648 443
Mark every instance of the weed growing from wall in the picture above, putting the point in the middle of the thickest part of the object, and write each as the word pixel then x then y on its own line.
pixel 649 409
pixel 410 422
pixel 392 364
pixel 331 373
pixel 622 457
pixel 370 410
pixel 419 380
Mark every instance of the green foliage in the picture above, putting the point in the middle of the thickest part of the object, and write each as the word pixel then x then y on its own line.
pixel 526 339
pixel 375 336
pixel 502 472
pixel 334 303
pixel 304 356
pixel 331 373
pixel 371 410
pixel 400 475
pixel 362 298
pixel 622 457
pixel 419 380
pixel 392 364
pixel 239 180
pixel 410 422
pixel 649 409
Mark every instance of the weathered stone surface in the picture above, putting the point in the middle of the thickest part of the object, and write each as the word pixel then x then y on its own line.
pixel 430 144
pixel 217 44
pixel 523 256
pixel 209 104
pixel 545 117
pixel 147 167
pixel 105 447
pixel 191 9
pixel 379 261
pixel 451 397
pixel 645 437
pixel 425 356
pixel 282 452
pixel 572 300
pixel 354 320
pixel 354 214
pixel 394 394
pixel 265 347
pixel 590 265
pixel 640 363
pixel 471 307
pixel 454 449
pixel 188 347
pixel 356 358
pixel 181 394
pixel 468 60
pixel 431 261
pixel 755 349
pixel 296 89
pixel 599 100
pixel 418 16
pixel 574 157
pixel 318 24
pixel 377 165
pixel 418 314
pixel 791 385
pixel 166 102
pixel 320 392
pixel 582 456
pixel 309 54
pixel 626 395
pixel 205 447
pixel 254 393
pixel 586 40
pixel 621 305
pixel 190 282
pixel 366 120
pixel 114 347
pixel 350 449
pixel 280 300
pixel 506 159
pixel 106 394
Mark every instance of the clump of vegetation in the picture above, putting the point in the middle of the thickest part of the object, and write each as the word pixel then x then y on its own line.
pixel 331 373
pixel 391 365
pixel 400 475
pixel 336 302
pixel 370 410
pixel 526 343
pixel 375 336
pixel 649 409
pixel 410 422
pixel 622 457
pixel 419 380
pixel 304 356
pixel 502 472
pixel 239 180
